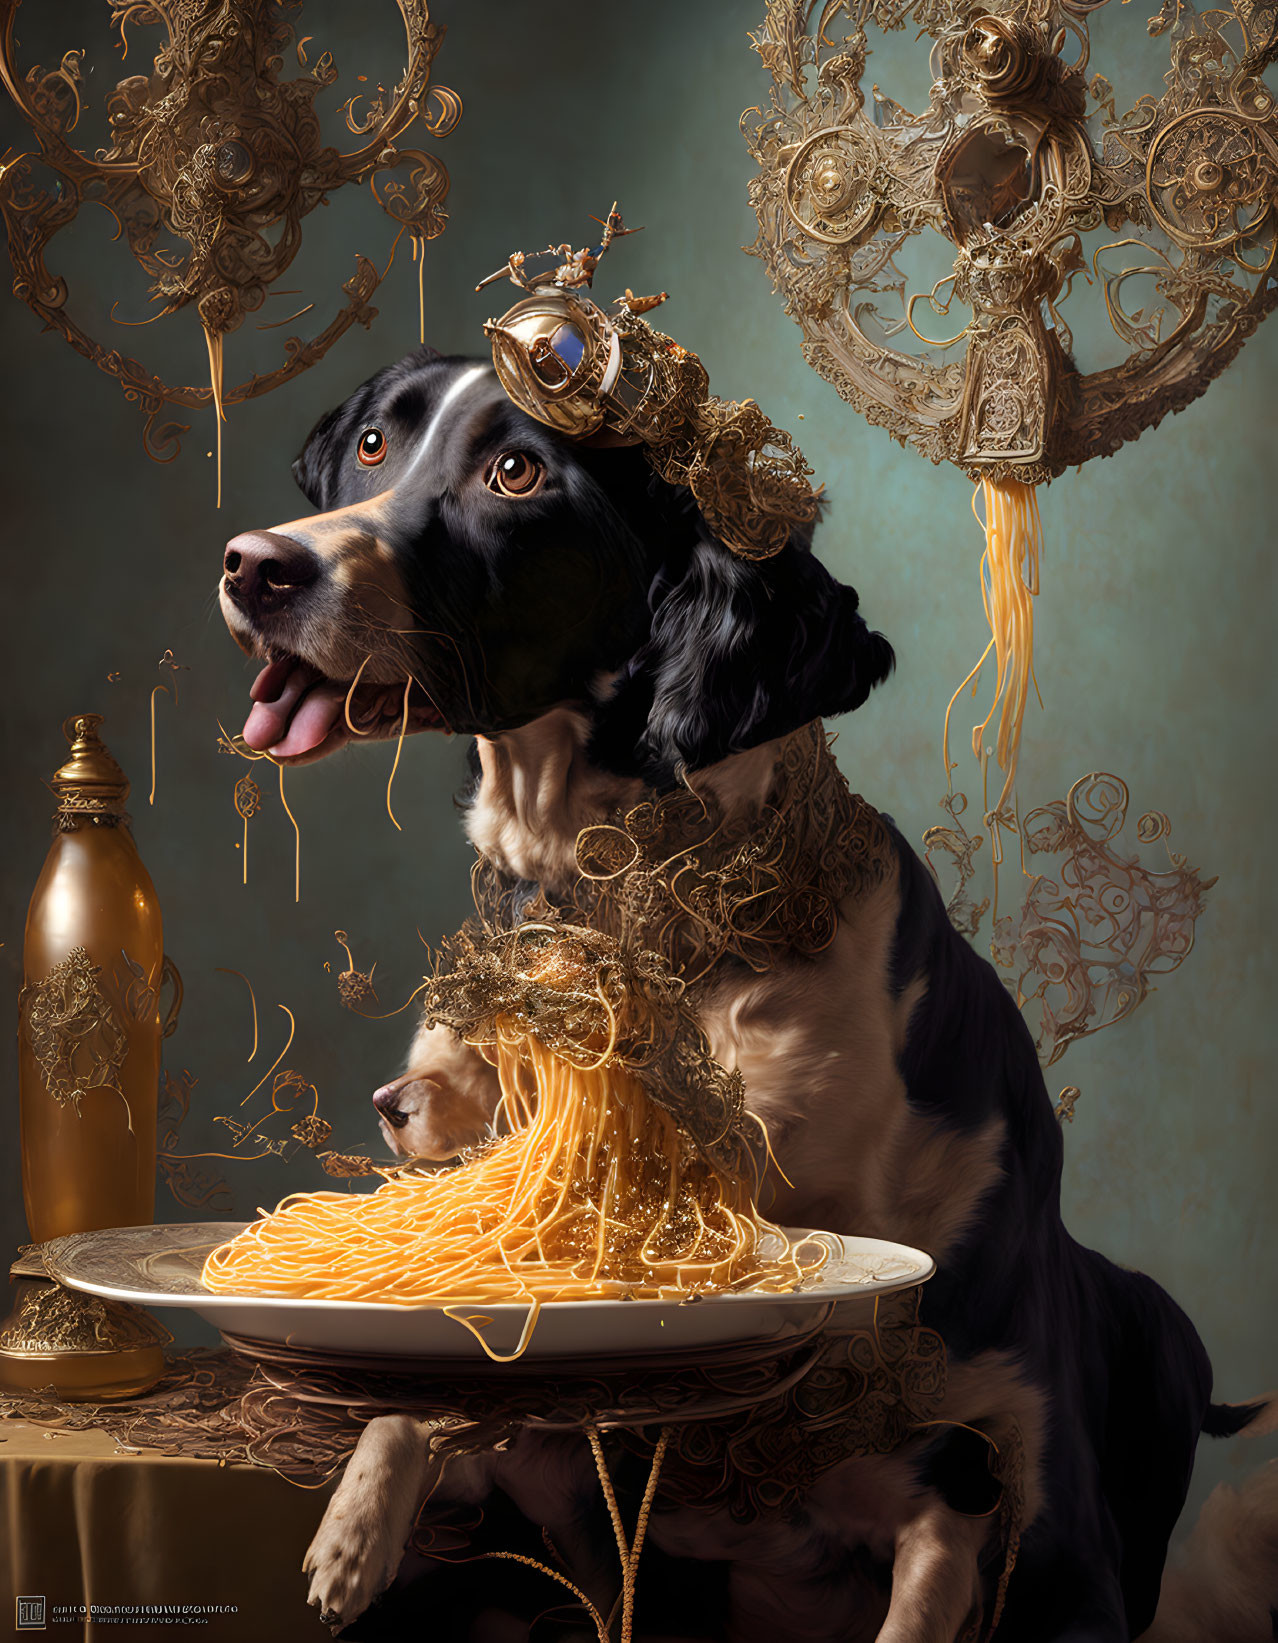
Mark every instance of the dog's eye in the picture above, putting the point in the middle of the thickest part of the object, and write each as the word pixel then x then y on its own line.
pixel 372 447
pixel 515 473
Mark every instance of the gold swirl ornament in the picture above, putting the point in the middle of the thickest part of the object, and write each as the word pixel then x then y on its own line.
pixel 1211 178
pixel 829 187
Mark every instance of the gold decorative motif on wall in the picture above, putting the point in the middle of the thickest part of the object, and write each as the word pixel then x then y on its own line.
pixel 214 161
pixel 1097 924
pixel 955 841
pixel 194 1188
pixel 1096 929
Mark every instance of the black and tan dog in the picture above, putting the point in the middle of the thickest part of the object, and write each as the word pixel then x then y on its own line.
pixel 468 568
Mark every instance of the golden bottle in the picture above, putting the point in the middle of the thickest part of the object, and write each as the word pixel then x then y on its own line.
pixel 89 1035
pixel 89 1013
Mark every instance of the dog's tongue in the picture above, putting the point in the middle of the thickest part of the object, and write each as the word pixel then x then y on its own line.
pixel 294 708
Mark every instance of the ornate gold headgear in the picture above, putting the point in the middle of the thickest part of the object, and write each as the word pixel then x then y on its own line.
pixel 567 362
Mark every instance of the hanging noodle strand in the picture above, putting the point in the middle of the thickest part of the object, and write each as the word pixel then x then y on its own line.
pixel 214 340
pixel 1009 586
pixel 419 257
pixel 297 838
pixel 222 970
pixel 154 693
pixel 399 748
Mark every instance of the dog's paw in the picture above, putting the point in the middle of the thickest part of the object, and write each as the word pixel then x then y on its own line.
pixel 351 1562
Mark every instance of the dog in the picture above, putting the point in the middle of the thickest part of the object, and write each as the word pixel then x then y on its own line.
pixel 469 569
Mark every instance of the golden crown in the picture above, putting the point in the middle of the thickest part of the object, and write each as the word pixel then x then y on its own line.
pixel 589 372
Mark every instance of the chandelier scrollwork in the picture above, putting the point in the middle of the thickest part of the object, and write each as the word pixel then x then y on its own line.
pixel 212 150
pixel 1015 157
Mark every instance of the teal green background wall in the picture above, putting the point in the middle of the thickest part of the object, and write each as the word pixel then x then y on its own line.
pixel 1154 627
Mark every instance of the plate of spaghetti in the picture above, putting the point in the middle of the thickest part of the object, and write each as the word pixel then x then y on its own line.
pixel 614 1193
pixel 161 1266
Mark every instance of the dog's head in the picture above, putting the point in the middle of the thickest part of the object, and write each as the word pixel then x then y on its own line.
pixel 469 569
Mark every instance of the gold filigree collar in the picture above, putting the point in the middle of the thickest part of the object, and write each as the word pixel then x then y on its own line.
pixel 682 874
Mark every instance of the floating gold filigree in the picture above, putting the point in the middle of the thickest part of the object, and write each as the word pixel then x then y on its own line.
pixel 248 801
pixel 313 1132
pixel 289 1123
pixel 170 663
pixel 73 1029
pixel 213 163
pixel 348 1166
pixel 353 986
pixel 274 1132
pixel 1094 933
pixel 194 1188
pixel 1012 164
pixel 248 798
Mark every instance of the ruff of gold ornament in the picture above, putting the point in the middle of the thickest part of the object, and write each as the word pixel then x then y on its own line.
pixel 675 874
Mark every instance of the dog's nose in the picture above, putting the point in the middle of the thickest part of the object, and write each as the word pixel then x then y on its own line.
pixel 264 571
pixel 384 1101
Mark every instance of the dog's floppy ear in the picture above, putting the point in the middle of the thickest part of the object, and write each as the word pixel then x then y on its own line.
pixel 740 652
pixel 309 465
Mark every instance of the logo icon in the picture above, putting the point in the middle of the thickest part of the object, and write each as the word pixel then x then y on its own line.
pixel 30 1616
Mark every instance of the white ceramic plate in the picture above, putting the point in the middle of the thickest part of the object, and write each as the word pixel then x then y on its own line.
pixel 159 1266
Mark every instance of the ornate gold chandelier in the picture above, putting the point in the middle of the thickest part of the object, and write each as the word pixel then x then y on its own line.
pixel 1016 157
pixel 214 160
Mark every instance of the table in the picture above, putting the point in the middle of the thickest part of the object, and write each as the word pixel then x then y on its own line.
pixel 82 1524
pixel 201 1526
